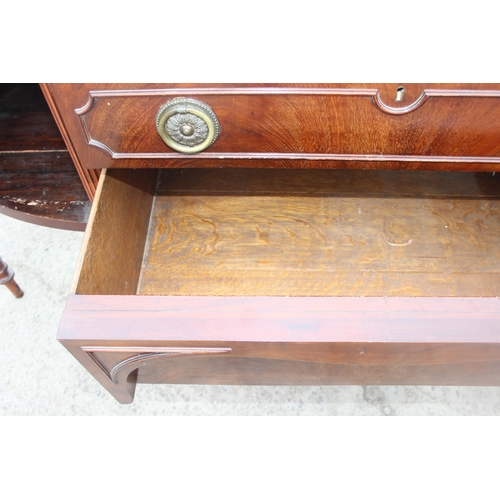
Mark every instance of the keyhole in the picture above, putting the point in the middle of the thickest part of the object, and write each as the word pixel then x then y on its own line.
pixel 400 92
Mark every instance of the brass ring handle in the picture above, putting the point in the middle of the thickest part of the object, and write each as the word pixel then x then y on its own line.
pixel 187 125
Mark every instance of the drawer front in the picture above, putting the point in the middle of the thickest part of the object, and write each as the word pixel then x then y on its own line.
pixel 124 340
pixel 359 126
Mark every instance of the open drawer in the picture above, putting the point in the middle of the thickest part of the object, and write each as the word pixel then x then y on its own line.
pixel 301 277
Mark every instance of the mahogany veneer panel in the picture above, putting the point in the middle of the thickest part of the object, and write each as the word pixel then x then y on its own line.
pixel 436 126
pixel 343 125
pixel 123 340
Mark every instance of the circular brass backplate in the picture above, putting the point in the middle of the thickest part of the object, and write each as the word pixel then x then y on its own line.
pixel 187 125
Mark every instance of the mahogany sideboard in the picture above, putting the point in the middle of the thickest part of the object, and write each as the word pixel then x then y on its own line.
pixel 285 234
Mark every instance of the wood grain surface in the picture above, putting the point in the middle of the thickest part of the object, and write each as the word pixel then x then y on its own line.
pixel 314 124
pixel 323 233
pixel 88 177
pixel 267 371
pixel 436 126
pixel 283 340
pixel 268 274
pixel 112 252
pixel 38 180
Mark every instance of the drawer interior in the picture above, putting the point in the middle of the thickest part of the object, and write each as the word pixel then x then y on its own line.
pixel 290 232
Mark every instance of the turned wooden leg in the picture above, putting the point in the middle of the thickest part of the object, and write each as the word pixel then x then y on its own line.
pixel 7 279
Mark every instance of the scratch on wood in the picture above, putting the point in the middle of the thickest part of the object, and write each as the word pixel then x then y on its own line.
pixel 400 244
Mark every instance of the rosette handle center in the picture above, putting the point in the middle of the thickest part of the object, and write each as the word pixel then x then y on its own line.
pixel 187 125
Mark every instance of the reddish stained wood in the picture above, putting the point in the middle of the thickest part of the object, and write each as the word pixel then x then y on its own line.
pixel 281 319
pixel 249 162
pixel 258 371
pixel 294 124
pixel 89 179
pixel 292 340
pixel 260 125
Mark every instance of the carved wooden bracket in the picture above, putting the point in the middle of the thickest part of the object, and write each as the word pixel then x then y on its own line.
pixel 120 364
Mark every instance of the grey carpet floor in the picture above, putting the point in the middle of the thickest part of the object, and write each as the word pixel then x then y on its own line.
pixel 40 377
